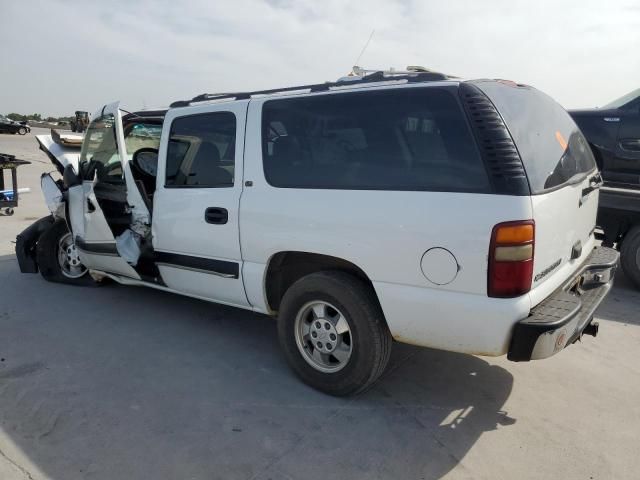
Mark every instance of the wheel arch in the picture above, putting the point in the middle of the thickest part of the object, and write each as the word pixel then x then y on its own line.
pixel 286 267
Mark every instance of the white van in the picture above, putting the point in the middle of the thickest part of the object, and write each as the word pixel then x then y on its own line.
pixel 415 207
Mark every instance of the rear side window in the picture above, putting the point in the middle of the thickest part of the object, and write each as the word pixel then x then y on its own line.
pixel 401 139
pixel 553 150
pixel 201 151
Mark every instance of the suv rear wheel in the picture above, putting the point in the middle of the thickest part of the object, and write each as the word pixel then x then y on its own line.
pixel 333 333
pixel 630 255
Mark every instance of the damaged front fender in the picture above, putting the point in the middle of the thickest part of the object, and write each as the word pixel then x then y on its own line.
pixel 53 195
pixel 60 153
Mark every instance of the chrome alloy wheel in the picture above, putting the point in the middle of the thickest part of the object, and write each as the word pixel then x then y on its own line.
pixel 323 336
pixel 68 258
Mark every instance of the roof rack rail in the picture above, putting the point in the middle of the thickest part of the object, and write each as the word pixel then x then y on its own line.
pixel 358 76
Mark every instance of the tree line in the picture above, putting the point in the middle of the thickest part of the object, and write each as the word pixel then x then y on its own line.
pixel 36 117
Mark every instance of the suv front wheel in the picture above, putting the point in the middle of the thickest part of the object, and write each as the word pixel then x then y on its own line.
pixel 333 333
pixel 58 258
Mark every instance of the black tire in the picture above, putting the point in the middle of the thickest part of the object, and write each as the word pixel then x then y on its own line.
pixel 630 255
pixel 22 131
pixel 370 340
pixel 47 256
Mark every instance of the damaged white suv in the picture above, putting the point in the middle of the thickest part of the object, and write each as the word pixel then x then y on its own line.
pixel 412 206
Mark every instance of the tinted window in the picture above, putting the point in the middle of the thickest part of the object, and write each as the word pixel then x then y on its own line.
pixel 403 139
pixel 201 151
pixel 552 148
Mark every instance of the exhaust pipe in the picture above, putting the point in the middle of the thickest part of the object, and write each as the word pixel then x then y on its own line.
pixel 591 329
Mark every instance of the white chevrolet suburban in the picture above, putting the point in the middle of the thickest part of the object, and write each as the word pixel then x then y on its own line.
pixel 407 206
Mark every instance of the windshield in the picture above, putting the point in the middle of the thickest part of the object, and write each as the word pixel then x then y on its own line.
pixel 99 157
pixel 142 135
pixel 622 101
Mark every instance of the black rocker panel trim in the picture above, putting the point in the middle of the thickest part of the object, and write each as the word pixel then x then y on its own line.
pixel 187 262
pixel 98 248
pixel 206 265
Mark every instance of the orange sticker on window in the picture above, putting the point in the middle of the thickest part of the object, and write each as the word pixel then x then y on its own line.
pixel 561 140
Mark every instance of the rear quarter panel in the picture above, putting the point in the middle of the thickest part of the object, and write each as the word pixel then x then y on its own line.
pixel 561 223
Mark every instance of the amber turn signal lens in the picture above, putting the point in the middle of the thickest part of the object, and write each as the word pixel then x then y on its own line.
pixel 509 234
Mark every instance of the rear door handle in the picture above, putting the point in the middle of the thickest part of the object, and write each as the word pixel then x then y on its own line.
pixel 216 215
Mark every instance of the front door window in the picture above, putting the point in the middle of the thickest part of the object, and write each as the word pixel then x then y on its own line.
pixel 99 157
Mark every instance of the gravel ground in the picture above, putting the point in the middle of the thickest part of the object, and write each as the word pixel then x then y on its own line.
pixel 129 383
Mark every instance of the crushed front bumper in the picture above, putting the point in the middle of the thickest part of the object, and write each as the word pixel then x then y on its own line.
pixel 564 316
pixel 26 244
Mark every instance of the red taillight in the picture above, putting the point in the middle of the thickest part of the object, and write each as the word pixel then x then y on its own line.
pixel 511 259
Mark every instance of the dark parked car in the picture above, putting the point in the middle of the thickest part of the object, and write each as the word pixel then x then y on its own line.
pixel 613 131
pixel 9 126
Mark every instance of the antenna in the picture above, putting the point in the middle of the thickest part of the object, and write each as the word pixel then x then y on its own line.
pixel 365 47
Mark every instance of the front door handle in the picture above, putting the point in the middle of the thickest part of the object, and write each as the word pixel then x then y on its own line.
pixel 216 215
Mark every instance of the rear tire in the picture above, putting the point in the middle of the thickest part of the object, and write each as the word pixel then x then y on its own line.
pixel 57 258
pixel 344 317
pixel 22 131
pixel 630 255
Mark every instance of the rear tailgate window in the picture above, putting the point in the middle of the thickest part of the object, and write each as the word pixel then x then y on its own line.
pixel 553 150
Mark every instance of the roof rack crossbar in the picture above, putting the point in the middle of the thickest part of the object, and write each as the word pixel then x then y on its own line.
pixel 318 87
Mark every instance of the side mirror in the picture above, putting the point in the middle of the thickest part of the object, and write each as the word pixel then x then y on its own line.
pixel 146 160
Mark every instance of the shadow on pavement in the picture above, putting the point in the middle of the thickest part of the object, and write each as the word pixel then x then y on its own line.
pixel 122 382
pixel 623 302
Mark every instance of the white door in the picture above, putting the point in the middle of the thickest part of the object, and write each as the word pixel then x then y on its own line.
pixel 103 178
pixel 195 219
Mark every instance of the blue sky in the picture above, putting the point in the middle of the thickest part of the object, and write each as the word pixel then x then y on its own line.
pixel 60 56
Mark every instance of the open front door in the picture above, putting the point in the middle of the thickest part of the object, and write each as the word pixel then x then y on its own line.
pixel 105 203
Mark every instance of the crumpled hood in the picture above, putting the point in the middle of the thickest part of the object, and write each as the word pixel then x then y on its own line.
pixel 59 154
